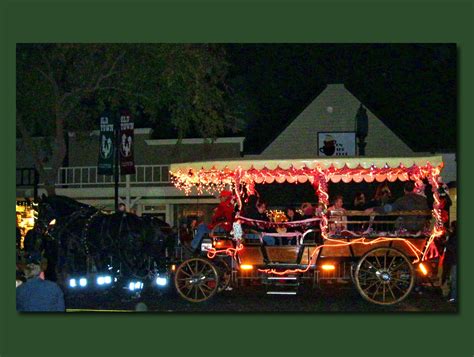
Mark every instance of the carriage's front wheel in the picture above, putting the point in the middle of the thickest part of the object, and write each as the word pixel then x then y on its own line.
pixel 196 280
pixel 384 276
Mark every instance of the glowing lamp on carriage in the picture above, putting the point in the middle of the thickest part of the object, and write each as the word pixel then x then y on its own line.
pixel 423 269
pixel 328 267
pixel 246 267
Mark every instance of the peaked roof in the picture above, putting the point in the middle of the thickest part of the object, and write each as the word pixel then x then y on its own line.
pixel 280 127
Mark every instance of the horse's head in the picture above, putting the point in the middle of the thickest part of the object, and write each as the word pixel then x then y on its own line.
pixel 53 208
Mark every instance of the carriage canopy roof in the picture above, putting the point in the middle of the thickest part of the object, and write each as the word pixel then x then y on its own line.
pixel 323 163
pixel 215 175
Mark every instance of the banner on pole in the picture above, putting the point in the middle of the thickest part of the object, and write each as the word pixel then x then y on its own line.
pixel 106 145
pixel 126 138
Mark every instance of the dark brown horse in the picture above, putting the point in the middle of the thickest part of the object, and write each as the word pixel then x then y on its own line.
pixel 79 238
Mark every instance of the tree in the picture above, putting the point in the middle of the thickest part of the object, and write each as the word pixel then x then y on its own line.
pixel 63 87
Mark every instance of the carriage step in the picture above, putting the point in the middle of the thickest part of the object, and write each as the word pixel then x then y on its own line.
pixel 282 278
pixel 281 292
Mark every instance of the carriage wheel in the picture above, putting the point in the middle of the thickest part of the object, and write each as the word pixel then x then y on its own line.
pixel 225 274
pixel 196 280
pixel 384 276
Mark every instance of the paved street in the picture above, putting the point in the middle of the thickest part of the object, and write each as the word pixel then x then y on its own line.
pixel 253 299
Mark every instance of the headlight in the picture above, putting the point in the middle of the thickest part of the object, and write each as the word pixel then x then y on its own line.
pixel 135 285
pixel 104 279
pixel 83 282
pixel 72 283
pixel 160 281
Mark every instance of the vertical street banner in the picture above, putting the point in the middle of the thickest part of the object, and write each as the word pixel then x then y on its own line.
pixel 126 138
pixel 106 145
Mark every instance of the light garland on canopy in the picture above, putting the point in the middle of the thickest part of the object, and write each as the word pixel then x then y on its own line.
pixel 215 180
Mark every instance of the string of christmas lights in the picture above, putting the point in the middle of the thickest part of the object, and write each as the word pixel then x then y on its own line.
pixel 243 181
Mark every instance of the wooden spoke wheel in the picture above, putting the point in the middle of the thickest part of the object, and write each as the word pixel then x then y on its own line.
pixel 384 276
pixel 196 280
pixel 225 274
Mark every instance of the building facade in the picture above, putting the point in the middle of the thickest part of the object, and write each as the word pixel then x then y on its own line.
pixel 149 191
pixel 331 115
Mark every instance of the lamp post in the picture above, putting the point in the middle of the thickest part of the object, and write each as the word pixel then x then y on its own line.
pixel 362 129
pixel 116 160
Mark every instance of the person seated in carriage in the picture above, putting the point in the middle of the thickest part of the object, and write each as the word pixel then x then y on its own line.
pixel 359 204
pixel 410 201
pixel 338 219
pixel 223 215
pixel 308 210
pixel 256 210
pixel 293 216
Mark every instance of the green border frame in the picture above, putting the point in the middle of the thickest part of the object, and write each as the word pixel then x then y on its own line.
pixel 235 334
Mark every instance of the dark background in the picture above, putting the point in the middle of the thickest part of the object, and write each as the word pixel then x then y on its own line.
pixel 410 87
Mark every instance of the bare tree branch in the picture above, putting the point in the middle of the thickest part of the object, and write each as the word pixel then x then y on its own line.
pixel 28 141
pixel 50 74
pixel 121 90
pixel 100 79
pixel 45 75
pixel 110 72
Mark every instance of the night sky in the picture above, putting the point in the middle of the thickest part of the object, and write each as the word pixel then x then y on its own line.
pixel 411 88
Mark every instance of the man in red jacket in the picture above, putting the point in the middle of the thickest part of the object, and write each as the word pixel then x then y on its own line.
pixel 223 214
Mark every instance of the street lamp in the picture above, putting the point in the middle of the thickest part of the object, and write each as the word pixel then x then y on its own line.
pixel 362 129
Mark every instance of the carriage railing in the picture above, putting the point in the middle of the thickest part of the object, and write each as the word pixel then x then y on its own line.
pixel 416 223
pixel 280 233
pixel 87 176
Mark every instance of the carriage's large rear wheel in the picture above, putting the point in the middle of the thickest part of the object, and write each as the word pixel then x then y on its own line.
pixel 384 276
pixel 196 279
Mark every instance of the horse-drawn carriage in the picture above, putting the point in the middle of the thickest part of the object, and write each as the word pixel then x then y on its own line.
pixel 382 258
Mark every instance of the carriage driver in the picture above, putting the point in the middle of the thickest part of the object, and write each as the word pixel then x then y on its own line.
pixel 223 213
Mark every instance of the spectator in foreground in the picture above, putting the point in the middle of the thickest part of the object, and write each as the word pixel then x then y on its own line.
pixel 450 262
pixel 36 294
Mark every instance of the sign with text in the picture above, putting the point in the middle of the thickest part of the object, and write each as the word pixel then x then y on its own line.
pixel 106 145
pixel 126 138
pixel 336 144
